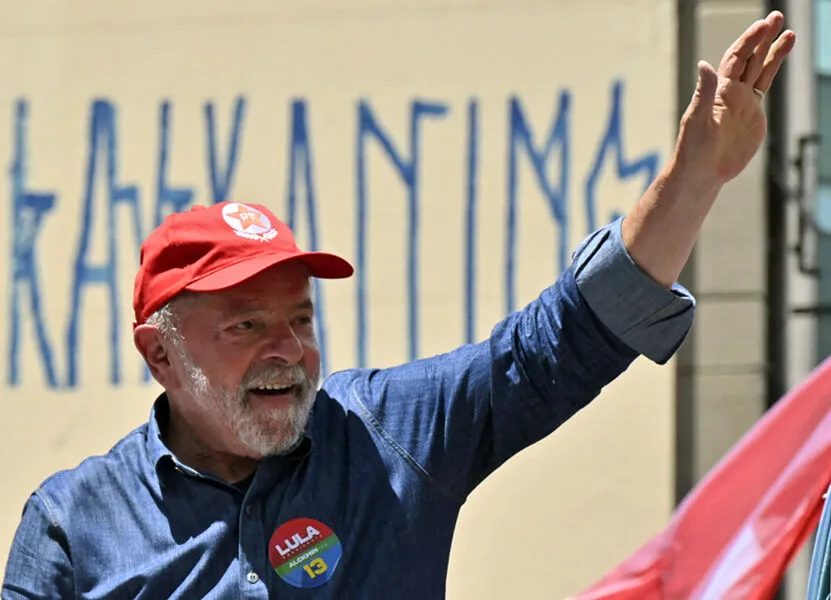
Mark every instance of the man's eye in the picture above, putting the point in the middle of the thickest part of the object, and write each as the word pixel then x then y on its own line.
pixel 244 326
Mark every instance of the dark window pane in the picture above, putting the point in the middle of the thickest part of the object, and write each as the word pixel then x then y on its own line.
pixel 824 123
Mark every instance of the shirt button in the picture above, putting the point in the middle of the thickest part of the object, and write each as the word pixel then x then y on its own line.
pixel 253 577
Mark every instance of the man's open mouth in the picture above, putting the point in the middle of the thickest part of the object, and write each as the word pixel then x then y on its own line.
pixel 275 390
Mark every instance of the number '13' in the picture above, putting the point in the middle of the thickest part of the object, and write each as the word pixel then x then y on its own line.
pixel 317 567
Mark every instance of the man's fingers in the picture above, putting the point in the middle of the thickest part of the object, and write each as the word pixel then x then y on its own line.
pixel 780 49
pixel 701 104
pixel 756 62
pixel 735 59
pixel 705 90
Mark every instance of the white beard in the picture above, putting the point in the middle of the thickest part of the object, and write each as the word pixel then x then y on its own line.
pixel 263 432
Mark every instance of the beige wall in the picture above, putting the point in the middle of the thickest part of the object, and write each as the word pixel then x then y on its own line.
pixel 567 509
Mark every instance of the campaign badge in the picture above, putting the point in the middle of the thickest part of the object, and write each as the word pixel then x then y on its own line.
pixel 304 553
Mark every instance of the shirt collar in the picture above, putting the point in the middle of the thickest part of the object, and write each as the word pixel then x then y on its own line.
pixel 156 448
pixel 158 451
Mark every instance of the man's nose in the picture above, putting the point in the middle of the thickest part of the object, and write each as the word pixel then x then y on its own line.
pixel 284 345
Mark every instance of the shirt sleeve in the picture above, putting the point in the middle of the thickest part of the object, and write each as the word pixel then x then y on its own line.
pixel 456 417
pixel 38 566
pixel 639 311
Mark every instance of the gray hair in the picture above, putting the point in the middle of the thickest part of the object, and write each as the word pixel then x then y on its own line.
pixel 167 320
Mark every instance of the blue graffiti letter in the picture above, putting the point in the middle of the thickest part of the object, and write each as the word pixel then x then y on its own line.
pixel 470 221
pixel 368 126
pixel 300 160
pixel 103 149
pixel 612 141
pixel 221 179
pixel 29 209
pixel 556 195
pixel 168 199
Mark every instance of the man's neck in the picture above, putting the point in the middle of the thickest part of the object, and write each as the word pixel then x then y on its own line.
pixel 186 445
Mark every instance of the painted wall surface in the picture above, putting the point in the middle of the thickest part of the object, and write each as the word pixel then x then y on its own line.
pixel 455 151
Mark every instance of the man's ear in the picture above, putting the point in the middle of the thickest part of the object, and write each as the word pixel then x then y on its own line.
pixel 156 352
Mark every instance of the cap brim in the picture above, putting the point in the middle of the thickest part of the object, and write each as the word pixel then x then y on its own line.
pixel 320 265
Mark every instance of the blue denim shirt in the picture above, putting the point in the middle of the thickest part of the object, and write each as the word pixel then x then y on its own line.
pixel 366 507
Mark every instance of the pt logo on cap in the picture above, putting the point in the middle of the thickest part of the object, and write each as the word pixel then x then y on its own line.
pixel 248 222
pixel 304 552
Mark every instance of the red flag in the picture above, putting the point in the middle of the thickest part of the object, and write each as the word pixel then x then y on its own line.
pixel 737 531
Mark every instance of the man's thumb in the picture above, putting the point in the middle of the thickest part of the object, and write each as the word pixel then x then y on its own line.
pixel 705 89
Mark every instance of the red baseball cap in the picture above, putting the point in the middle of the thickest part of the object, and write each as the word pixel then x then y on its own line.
pixel 213 248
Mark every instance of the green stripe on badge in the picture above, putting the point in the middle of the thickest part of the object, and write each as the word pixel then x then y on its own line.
pixel 284 569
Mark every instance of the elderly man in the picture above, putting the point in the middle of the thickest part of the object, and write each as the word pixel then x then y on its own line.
pixel 250 482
